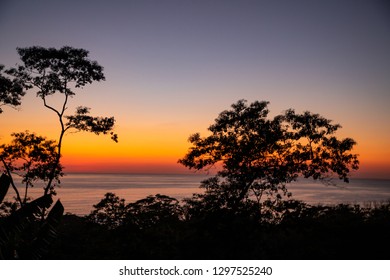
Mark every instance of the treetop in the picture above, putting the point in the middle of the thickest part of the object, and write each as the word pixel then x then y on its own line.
pixel 51 69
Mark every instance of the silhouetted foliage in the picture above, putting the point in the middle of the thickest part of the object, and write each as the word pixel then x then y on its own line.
pixel 56 70
pixel 153 210
pixel 22 234
pixel 81 121
pixel 4 185
pixel 109 212
pixel 214 203
pixel 157 227
pixel 260 155
pixel 113 212
pixel 32 158
pixel 11 91
pixel 62 71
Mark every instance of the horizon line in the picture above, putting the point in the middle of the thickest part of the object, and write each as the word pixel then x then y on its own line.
pixel 196 173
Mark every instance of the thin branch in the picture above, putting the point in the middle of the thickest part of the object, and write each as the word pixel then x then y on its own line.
pixel 50 107
pixel 66 98
pixel 59 146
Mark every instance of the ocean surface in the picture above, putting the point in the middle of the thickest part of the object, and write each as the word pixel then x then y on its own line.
pixel 79 192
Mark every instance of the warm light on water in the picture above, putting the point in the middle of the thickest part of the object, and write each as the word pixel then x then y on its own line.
pixel 79 192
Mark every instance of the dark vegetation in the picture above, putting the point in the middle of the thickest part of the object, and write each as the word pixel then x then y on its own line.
pixel 28 227
pixel 158 227
pixel 244 212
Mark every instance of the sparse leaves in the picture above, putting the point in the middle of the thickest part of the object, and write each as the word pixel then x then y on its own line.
pixel 82 121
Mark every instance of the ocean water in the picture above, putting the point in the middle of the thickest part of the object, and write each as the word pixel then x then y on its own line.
pixel 79 192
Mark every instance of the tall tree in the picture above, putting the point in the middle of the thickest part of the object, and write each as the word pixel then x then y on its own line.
pixel 51 71
pixel 258 155
pixel 62 71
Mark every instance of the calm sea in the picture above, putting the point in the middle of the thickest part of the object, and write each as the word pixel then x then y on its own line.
pixel 79 192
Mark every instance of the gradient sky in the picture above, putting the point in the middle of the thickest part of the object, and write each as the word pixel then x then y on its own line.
pixel 172 66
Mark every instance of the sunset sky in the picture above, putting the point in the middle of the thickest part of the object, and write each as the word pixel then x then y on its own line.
pixel 172 66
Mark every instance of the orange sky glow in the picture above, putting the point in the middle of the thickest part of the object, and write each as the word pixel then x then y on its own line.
pixel 171 69
pixel 154 147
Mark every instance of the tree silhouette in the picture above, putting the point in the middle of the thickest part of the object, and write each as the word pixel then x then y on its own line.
pixel 150 211
pixel 11 91
pixel 62 71
pixel 32 158
pixel 153 210
pixel 259 155
pixel 109 212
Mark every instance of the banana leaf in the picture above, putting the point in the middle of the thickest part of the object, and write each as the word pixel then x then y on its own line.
pixel 46 235
pixel 4 185
pixel 13 226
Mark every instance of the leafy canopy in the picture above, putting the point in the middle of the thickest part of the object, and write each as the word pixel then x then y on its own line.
pixel 62 71
pixel 56 70
pixel 259 155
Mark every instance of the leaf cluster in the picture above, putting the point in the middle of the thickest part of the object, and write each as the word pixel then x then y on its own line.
pixel 11 91
pixel 51 70
pixel 82 121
